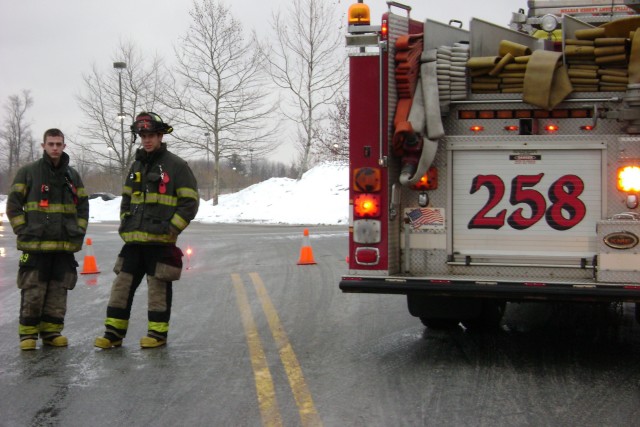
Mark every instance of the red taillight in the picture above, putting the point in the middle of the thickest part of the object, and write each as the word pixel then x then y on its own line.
pixel 476 128
pixel 511 128
pixel 586 127
pixel 384 29
pixel 367 256
pixel 366 205
pixel 551 128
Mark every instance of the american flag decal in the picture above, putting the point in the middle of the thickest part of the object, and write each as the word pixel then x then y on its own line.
pixel 426 216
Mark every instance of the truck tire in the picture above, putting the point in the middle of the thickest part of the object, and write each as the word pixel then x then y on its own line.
pixel 489 319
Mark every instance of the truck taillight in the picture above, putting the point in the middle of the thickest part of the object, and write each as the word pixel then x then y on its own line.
pixel 428 182
pixel 384 29
pixel 366 205
pixel 629 178
pixel 366 180
pixel 359 14
pixel 367 256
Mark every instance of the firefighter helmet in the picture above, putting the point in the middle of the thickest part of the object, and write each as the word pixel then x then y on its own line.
pixel 148 122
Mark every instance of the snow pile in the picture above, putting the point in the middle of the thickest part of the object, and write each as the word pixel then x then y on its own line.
pixel 321 197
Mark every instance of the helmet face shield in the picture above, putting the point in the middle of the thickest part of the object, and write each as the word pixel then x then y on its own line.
pixel 150 123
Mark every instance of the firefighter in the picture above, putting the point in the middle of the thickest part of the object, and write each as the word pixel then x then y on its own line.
pixel 48 209
pixel 159 199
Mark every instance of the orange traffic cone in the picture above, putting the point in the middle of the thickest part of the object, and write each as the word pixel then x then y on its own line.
pixel 306 253
pixel 89 265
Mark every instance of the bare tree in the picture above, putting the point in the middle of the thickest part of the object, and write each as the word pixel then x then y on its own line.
pixel 141 83
pixel 333 136
pixel 219 92
pixel 16 140
pixel 307 61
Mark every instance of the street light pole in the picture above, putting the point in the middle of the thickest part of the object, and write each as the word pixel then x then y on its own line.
pixel 251 165
pixel 208 168
pixel 110 171
pixel 121 66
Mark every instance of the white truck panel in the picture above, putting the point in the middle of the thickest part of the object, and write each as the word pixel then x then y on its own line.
pixel 539 239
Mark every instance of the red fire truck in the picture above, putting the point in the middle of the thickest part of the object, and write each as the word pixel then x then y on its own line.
pixel 478 177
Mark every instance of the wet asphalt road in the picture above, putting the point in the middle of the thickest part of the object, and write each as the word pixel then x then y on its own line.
pixel 257 340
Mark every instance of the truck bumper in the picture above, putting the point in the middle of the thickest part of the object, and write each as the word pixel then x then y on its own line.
pixel 501 289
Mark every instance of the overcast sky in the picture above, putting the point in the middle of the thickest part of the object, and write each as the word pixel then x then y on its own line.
pixel 46 45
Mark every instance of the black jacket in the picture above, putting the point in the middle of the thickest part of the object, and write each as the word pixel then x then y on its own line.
pixel 48 207
pixel 159 198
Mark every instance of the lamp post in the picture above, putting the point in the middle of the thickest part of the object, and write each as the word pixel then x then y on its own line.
pixel 251 165
pixel 121 66
pixel 208 168
pixel 110 170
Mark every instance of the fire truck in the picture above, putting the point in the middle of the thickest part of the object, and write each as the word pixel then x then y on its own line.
pixel 495 164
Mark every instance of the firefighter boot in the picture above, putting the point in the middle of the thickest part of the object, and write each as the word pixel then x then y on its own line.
pixel 107 341
pixel 115 331
pixel 54 340
pixel 152 342
pixel 28 342
pixel 28 336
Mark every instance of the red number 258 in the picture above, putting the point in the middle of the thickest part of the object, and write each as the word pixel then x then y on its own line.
pixel 565 211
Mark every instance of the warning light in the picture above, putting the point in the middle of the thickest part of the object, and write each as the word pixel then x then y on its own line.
pixel 551 128
pixel 587 127
pixel 629 178
pixel 359 14
pixel 366 180
pixel 476 128
pixel 428 182
pixel 511 128
pixel 367 205
pixel 189 252
pixel 384 29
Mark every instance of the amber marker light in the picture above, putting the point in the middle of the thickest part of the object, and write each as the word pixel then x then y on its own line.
pixel 366 205
pixel 551 128
pixel 476 129
pixel 359 14
pixel 629 179
pixel 366 180
pixel 429 180
pixel 384 29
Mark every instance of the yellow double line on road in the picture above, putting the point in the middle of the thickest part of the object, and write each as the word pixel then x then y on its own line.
pixel 264 382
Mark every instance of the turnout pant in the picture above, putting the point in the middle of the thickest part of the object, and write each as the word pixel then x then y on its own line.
pixel 162 264
pixel 43 280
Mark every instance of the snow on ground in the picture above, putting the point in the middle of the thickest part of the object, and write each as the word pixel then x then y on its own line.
pixel 321 197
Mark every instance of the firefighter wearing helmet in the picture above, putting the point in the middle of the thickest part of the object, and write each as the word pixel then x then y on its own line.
pixel 159 199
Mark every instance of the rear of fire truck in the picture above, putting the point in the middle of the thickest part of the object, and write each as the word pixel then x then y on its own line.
pixel 495 164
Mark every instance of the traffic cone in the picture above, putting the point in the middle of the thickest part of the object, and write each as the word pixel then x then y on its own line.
pixel 89 265
pixel 306 253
